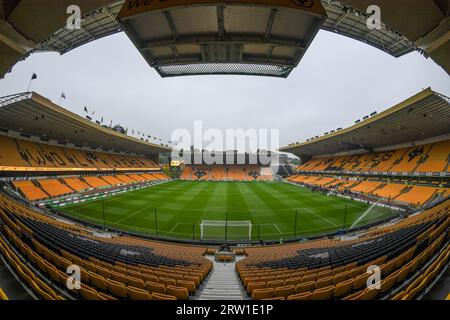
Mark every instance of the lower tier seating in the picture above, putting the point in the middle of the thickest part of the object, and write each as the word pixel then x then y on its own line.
pixel 3 296
pixel 30 190
pixel 402 193
pixel 47 188
pixel 118 268
pixel 325 270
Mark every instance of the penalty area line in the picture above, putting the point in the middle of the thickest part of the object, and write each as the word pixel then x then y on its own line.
pixel 319 216
pixel 174 227
pixel 362 216
pixel 278 229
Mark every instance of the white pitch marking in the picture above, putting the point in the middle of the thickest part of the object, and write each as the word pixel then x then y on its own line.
pixel 362 216
pixel 171 230
pixel 278 228
pixel 132 215
pixel 319 216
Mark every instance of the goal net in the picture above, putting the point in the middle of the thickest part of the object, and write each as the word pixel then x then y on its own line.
pixel 225 230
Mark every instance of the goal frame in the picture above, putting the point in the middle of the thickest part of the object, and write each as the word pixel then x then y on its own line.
pixel 225 224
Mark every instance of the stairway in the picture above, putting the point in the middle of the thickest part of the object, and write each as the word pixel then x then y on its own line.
pixel 223 283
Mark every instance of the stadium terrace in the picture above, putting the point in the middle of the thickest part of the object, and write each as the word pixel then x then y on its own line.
pixel 121 217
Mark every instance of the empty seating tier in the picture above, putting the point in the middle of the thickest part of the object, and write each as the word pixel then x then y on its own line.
pixel 327 269
pixel 227 173
pixel 405 194
pixel 116 268
pixel 428 158
pixel 47 188
pixel 21 155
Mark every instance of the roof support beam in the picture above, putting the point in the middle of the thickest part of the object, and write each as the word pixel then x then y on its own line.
pixel 172 26
pixel 221 21
pixel 268 33
pixel 175 52
pixel 228 39
pixel 341 18
pixel 270 52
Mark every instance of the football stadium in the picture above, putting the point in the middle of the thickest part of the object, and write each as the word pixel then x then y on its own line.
pixel 96 212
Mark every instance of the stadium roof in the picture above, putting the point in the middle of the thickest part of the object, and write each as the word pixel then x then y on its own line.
pixel 31 114
pixel 27 27
pixel 253 37
pixel 423 116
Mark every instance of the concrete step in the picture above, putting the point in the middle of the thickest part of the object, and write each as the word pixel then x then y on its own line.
pixel 223 283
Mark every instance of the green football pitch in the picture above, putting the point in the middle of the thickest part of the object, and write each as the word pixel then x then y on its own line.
pixel 263 210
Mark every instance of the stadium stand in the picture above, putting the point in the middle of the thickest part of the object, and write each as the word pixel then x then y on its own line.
pixel 423 159
pixel 40 189
pixel 415 195
pixel 108 270
pixel 30 190
pixel 323 269
pixel 21 155
pixel 76 184
pixel 227 173
pixel 95 182
pixel 54 188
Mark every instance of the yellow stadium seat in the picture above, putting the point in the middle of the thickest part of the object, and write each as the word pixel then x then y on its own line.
pixel 343 288
pixel 305 287
pixel 3 296
pixel 284 291
pixel 300 296
pixel 160 296
pixel 323 293
pixel 117 288
pixel 138 294
pixel 155 287
pixel 259 294
pixel 178 292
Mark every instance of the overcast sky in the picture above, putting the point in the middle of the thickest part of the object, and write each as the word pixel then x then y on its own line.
pixel 338 81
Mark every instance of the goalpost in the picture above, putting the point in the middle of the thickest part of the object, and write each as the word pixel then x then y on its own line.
pixel 219 230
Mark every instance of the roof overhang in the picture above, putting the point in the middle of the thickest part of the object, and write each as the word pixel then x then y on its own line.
pixel 252 37
pixel 33 115
pixel 423 116
pixel 33 26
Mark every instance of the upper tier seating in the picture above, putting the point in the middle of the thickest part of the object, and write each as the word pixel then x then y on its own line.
pixel 427 158
pixel 21 155
pixel 438 158
pixel 333 269
pixel 116 268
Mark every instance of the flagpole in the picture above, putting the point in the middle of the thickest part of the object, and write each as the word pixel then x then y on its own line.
pixel 29 84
